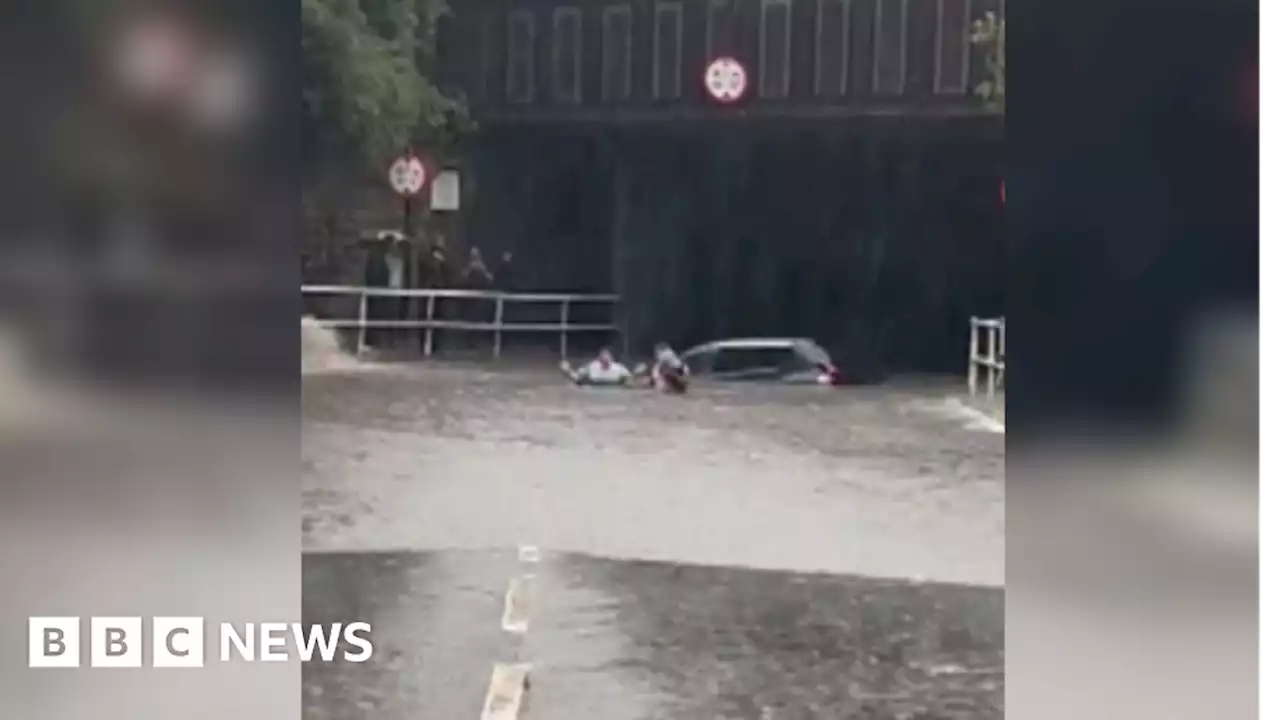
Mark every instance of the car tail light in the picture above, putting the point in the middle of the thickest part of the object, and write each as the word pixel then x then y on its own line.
pixel 830 374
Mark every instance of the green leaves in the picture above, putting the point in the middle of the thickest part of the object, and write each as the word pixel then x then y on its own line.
pixel 988 37
pixel 367 90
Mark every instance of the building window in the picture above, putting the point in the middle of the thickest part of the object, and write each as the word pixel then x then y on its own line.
pixel 616 53
pixel 486 53
pixel 520 44
pixel 775 48
pixel 566 55
pixel 889 74
pixel 831 49
pixel 719 29
pixel 668 29
pixel 951 56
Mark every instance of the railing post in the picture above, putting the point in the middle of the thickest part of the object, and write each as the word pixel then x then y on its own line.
pixel 362 335
pixel 1000 351
pixel 991 360
pixel 497 327
pixel 429 346
pixel 973 356
pixel 564 329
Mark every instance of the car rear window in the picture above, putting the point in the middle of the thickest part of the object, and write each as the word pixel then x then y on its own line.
pixel 813 352
pixel 730 360
pixel 700 362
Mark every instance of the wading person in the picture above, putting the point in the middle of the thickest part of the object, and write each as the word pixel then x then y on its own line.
pixel 603 370
pixel 669 372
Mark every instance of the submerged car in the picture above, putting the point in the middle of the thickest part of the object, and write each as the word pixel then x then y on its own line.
pixel 785 360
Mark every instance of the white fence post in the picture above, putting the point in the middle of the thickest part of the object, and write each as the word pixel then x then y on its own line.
pixel 430 345
pixel 564 329
pixel 1000 352
pixel 991 364
pixel 497 327
pixel 986 353
pixel 1000 349
pixel 973 354
pixel 363 337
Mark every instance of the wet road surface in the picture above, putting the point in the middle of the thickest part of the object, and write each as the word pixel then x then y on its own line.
pixel 742 552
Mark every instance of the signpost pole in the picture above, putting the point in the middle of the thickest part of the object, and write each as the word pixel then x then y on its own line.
pixel 408 175
pixel 408 218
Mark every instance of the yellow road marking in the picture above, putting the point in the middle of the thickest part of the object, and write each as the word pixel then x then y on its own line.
pixel 506 692
pixel 515 614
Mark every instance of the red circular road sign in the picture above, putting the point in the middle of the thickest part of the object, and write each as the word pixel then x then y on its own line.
pixel 409 174
pixel 155 58
pixel 725 80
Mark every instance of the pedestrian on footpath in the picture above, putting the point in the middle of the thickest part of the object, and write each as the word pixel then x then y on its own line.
pixel 502 275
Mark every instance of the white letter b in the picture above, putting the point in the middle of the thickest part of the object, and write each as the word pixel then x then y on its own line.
pixel 53 642
pixel 115 642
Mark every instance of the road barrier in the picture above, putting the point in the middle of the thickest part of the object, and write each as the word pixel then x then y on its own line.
pixel 496 325
pixel 986 353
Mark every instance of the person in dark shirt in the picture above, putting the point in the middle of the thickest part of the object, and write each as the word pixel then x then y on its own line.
pixel 440 275
pixel 502 274
pixel 669 373
pixel 477 275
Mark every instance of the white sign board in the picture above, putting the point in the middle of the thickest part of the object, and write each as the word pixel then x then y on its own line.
pixel 408 175
pixel 446 191
pixel 726 80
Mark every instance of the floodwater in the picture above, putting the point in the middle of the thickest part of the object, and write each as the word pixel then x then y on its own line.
pixel 739 552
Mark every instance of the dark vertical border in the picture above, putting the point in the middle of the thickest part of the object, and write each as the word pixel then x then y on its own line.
pixel 1133 203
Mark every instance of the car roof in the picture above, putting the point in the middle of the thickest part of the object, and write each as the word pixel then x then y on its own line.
pixel 746 343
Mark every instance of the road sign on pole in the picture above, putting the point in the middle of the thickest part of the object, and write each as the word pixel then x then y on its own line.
pixel 726 80
pixel 409 174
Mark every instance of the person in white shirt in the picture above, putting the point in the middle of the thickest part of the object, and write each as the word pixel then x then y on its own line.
pixel 603 370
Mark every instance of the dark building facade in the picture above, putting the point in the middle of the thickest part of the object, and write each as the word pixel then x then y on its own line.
pixel 608 60
pixel 851 195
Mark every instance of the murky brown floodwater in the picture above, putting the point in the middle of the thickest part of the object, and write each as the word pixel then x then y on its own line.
pixel 866 480
pixel 679 538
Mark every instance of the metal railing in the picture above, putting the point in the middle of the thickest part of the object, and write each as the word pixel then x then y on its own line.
pixel 497 325
pixel 986 353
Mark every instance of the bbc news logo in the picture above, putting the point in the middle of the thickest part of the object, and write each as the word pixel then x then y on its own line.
pixel 179 642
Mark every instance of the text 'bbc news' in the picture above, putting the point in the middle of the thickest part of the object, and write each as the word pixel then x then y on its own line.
pixel 56 642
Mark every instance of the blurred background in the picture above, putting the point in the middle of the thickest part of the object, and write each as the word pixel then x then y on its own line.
pixel 148 434
pixel 148 379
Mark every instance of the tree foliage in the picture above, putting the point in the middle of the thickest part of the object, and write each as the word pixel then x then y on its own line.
pixel 988 37
pixel 368 80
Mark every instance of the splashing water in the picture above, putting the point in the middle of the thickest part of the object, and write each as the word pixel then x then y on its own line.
pixel 321 351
